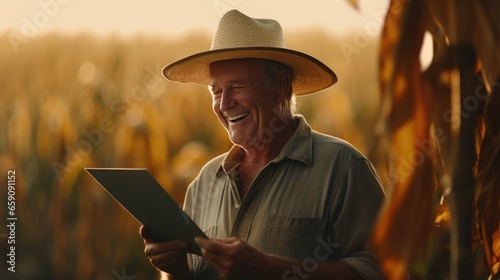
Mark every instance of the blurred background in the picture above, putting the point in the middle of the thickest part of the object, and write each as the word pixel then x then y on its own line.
pixel 81 86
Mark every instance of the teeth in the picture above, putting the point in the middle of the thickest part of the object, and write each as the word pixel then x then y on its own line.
pixel 237 117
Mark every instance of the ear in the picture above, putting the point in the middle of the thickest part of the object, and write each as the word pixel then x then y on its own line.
pixel 284 85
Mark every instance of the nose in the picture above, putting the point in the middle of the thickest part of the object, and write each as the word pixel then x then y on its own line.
pixel 226 100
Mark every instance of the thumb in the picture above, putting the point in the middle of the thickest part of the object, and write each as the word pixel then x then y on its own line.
pixel 146 234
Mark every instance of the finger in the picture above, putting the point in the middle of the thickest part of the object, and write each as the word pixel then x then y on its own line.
pixel 146 234
pixel 153 249
pixel 216 259
pixel 230 240
pixel 223 254
pixel 204 243
pixel 215 246
pixel 169 261
pixel 167 256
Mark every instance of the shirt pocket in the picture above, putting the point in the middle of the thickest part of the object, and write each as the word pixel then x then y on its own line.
pixel 293 237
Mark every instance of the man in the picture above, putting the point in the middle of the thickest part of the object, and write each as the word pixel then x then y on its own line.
pixel 285 202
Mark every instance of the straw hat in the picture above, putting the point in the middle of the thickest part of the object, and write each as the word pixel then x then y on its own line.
pixel 239 36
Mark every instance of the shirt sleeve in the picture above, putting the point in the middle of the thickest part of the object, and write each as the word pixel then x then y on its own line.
pixel 358 199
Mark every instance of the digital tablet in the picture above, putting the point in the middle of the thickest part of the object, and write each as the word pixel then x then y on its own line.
pixel 143 197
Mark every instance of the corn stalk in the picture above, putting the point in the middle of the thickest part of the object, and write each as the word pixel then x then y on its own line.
pixel 435 122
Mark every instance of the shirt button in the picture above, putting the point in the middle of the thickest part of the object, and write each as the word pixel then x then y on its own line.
pixel 237 206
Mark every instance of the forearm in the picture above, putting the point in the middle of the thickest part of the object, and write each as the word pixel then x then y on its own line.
pixel 281 268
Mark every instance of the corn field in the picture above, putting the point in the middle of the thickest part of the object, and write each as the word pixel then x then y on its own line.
pixel 74 101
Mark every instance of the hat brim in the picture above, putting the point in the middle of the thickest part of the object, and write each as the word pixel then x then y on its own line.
pixel 310 74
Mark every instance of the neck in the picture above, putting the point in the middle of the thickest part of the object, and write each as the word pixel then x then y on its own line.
pixel 268 145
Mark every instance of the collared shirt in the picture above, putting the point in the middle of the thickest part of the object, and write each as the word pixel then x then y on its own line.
pixel 316 201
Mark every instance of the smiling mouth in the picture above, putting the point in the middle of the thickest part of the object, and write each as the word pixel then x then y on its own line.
pixel 238 118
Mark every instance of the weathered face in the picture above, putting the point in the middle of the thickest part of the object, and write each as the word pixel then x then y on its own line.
pixel 241 100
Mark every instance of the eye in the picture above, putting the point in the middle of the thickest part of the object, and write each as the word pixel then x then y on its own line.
pixel 236 88
pixel 216 91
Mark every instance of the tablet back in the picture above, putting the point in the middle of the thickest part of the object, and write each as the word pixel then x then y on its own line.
pixel 143 197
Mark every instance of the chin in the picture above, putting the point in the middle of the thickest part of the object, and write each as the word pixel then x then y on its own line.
pixel 238 140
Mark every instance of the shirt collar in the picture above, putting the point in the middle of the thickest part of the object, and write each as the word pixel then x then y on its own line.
pixel 299 148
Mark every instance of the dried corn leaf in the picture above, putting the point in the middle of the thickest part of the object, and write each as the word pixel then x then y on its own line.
pixel 487 192
pixel 486 35
pixel 404 222
pixel 475 23
pixel 388 47
pixel 472 22
pixel 437 83
pixel 496 252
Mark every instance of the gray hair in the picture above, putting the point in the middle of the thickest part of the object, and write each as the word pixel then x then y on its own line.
pixel 271 70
